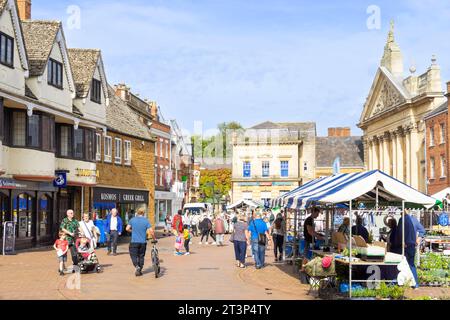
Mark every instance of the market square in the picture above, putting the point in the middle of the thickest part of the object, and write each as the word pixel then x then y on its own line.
pixel 181 157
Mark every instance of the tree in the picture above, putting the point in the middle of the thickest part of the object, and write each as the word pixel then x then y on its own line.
pixel 215 181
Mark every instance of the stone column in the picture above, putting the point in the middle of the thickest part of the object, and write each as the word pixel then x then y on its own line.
pixel 408 154
pixel 370 154
pixel 381 153
pixel 415 163
pixel 400 157
pixel 387 154
pixel 374 153
pixel 394 153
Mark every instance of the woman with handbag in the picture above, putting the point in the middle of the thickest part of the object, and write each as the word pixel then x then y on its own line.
pixel 258 236
pixel 239 239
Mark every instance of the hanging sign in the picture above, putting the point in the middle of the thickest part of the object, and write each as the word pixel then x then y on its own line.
pixel 9 238
pixel 60 180
pixel 443 219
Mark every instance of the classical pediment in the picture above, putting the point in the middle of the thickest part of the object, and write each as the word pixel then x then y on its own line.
pixel 386 94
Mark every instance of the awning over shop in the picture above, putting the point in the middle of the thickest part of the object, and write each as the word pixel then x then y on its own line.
pixel 245 203
pixel 362 186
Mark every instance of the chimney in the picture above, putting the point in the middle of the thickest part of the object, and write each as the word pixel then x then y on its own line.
pixel 122 91
pixel 153 109
pixel 339 132
pixel 24 8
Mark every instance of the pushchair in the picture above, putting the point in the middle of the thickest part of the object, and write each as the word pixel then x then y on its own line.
pixel 87 258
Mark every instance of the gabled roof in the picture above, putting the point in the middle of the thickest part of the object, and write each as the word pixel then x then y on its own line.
pixel 350 150
pixel 40 36
pixel 12 5
pixel 441 109
pixel 299 126
pixel 84 63
pixel 120 117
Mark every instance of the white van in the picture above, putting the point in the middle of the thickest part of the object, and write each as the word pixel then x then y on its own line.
pixel 198 208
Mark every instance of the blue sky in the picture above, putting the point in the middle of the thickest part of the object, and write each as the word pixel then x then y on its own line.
pixel 254 60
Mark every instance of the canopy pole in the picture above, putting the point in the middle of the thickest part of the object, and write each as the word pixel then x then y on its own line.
pixel 376 200
pixel 403 228
pixel 350 254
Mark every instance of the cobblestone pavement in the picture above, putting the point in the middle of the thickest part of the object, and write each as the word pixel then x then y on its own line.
pixel 208 273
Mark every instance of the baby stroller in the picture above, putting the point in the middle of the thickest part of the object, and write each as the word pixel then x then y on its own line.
pixel 87 259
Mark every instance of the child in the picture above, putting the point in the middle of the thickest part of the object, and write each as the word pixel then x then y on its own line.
pixel 86 251
pixel 61 246
pixel 187 238
pixel 178 245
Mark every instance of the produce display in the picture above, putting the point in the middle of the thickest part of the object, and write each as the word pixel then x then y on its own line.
pixel 346 252
pixel 434 270
pixel 383 292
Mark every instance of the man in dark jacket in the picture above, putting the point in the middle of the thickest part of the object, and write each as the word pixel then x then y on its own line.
pixel 114 227
pixel 410 243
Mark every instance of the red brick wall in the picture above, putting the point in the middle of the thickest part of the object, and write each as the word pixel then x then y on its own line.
pixel 440 148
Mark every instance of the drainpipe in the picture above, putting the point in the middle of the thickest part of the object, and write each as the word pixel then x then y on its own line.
pixel 426 159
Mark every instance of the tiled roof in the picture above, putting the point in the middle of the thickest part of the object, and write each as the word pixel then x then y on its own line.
pixel 83 63
pixel 442 108
pixel 121 118
pixel 299 129
pixel 349 149
pixel 39 39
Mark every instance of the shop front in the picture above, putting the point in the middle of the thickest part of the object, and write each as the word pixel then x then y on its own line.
pixel 31 206
pixel 163 206
pixel 126 201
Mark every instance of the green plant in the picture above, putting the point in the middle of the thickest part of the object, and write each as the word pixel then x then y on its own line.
pixel 383 292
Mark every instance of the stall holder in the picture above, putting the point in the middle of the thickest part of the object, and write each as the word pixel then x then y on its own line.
pixel 371 186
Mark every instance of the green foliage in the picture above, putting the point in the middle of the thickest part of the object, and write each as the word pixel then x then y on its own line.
pixel 383 292
pixel 433 261
pixel 220 178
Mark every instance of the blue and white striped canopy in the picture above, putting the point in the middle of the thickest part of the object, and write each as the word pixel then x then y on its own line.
pixel 342 188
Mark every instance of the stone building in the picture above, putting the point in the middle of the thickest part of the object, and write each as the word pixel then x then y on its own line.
pixel 125 163
pixel 271 159
pixel 392 118
pixel 339 144
pixel 437 148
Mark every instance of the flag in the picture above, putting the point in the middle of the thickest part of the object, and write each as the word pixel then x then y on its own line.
pixel 337 166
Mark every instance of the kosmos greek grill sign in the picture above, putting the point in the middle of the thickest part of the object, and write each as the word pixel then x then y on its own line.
pixel 120 196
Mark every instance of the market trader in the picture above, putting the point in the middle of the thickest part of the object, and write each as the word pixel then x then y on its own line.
pixel 410 243
pixel 360 230
pixel 310 233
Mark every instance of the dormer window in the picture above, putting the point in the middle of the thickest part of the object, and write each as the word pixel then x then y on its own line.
pixel 6 50
pixel 96 91
pixel 55 74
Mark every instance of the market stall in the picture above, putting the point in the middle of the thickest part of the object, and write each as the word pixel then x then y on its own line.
pixel 245 204
pixel 373 187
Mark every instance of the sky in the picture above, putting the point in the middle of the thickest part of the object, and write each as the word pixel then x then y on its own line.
pixel 253 60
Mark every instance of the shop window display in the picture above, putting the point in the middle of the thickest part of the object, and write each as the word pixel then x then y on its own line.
pixel 23 215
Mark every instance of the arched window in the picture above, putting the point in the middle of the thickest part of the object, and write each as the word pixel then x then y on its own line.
pixel 44 215
pixel 23 215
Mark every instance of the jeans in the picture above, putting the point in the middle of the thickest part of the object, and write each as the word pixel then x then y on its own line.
pixel 112 240
pixel 186 244
pixel 240 248
pixel 410 253
pixel 194 230
pixel 137 254
pixel 211 233
pixel 205 233
pixel 220 238
pixel 259 252
pixel 278 240
pixel 74 254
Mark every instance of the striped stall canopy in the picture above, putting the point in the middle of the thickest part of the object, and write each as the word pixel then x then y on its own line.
pixel 279 202
pixel 342 188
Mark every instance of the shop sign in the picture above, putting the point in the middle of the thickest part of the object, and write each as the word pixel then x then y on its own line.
pixel 248 184
pixel 87 173
pixel 120 196
pixel 282 184
pixel 60 180
pixel 11 184
pixel 9 237
pixel 265 184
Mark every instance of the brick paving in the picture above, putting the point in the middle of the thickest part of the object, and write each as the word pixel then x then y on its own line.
pixel 209 273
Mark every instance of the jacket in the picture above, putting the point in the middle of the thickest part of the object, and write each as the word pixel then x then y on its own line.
pixel 108 224
pixel 177 223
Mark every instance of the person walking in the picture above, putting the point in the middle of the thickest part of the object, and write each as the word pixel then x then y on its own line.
pixel 240 240
pixel 219 230
pixel 71 228
pixel 194 224
pixel 167 225
pixel 204 227
pixel 114 227
pixel 138 227
pixel 211 229
pixel 256 232
pixel 278 234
